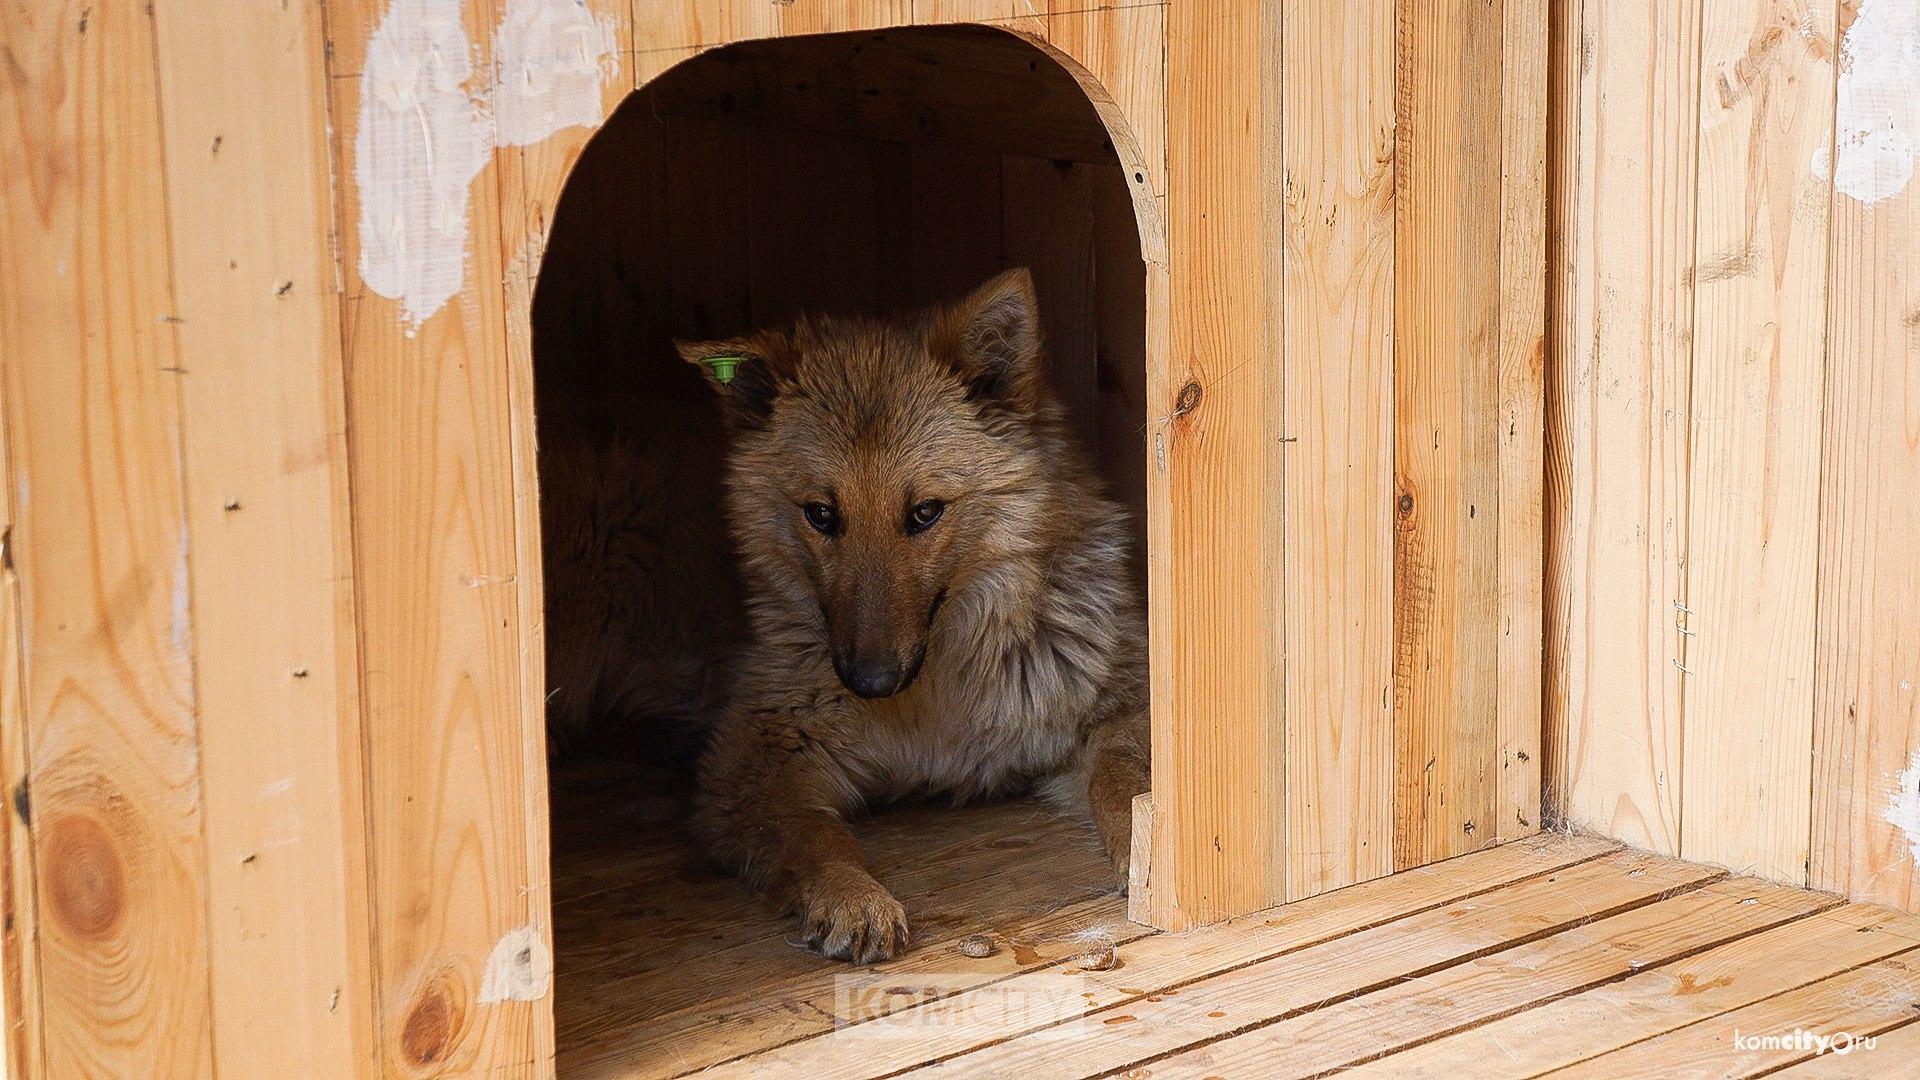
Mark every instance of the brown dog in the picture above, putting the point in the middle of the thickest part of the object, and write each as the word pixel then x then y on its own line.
pixel 938 594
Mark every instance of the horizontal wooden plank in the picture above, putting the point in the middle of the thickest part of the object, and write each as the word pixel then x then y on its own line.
pixel 1860 1002
pixel 1583 956
pixel 913 1037
pixel 1890 1049
pixel 1653 1002
pixel 781 1012
pixel 931 892
pixel 1134 1027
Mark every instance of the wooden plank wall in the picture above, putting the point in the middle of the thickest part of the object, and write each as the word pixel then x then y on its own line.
pixel 458 848
pixel 275 548
pixel 1732 589
pixel 112 790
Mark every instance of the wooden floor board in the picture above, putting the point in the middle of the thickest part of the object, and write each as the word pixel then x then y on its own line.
pixel 1654 1002
pixel 1890 1051
pixel 1141 1027
pixel 1499 984
pixel 1864 1001
pixel 1554 952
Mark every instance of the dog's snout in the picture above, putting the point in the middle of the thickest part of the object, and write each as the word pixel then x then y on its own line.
pixel 871 678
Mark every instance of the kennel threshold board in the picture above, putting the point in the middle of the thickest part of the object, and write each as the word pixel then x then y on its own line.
pixel 1556 954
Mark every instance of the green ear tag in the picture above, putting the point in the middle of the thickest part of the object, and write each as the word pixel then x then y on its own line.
pixel 723 367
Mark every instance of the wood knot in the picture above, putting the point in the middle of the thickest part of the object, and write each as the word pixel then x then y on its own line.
pixel 86 877
pixel 1406 503
pixel 1188 400
pixel 433 1023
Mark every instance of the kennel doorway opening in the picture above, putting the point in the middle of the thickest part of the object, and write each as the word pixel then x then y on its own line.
pixel 863 173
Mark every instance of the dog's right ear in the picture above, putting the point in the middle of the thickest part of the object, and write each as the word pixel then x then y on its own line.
pixel 747 371
pixel 992 338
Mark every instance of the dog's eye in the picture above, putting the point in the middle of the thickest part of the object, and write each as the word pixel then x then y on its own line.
pixel 821 516
pixel 923 515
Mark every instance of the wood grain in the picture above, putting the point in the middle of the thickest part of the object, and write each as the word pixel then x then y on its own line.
pixel 22 1057
pixel 1618 416
pixel 1119 54
pixel 243 92
pixel 531 181
pixel 1650 1003
pixel 1867 647
pixel 1301 980
pixel 926 12
pixel 432 450
pixel 1047 225
pixel 1338 70
pixel 928 1033
pixel 91 370
pixel 1446 412
pixel 1217 735
pixel 1579 959
pixel 1862 1002
pixel 1900 1044
pixel 1521 542
pixel 1759 343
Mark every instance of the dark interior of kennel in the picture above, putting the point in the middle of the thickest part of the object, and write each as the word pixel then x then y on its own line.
pixel 855 173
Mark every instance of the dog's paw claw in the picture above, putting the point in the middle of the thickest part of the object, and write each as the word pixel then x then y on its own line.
pixel 855 920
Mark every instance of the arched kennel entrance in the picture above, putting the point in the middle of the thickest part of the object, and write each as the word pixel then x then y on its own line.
pixel 857 173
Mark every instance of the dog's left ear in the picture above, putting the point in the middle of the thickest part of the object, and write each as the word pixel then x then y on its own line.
pixel 748 372
pixel 992 338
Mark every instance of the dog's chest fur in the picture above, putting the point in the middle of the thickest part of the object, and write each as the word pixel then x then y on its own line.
pixel 999 707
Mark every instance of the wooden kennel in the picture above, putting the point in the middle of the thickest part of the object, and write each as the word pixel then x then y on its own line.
pixel 273 645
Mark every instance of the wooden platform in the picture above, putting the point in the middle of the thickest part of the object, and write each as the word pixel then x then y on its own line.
pixel 1555 953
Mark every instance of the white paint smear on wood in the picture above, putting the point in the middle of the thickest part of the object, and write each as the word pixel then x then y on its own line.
pixel 423 138
pixel 520 968
pixel 1877 110
pixel 551 56
pixel 425 132
pixel 1903 809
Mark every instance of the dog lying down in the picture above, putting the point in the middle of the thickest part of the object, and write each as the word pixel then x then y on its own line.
pixel 937 595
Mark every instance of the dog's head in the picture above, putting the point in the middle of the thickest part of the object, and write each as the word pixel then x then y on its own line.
pixel 878 467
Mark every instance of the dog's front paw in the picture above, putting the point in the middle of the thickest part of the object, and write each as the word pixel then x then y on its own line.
pixel 847 915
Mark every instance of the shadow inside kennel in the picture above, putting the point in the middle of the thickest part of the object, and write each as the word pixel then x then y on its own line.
pixel 853 173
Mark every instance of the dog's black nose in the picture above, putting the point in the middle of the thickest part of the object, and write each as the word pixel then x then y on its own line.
pixel 871 679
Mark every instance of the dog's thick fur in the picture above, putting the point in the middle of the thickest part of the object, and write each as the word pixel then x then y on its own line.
pixel 643 608
pixel 1014 608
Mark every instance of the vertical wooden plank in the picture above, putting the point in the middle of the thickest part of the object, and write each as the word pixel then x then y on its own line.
pixel 457 876
pixel 100 547
pixel 1339 309
pixel 1215 583
pixel 673 24
pixel 1759 337
pixel 1124 51
pixel 531 180
pixel 1047 227
pixel 1521 434
pixel 1867 646
pixel 1120 281
pixel 21 1056
pixel 1624 332
pixel 243 93
pixel 837 16
pixel 1446 452
pixel 827 196
pixel 954 190
pixel 708 220
pixel 929 12
pixel 1566 71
